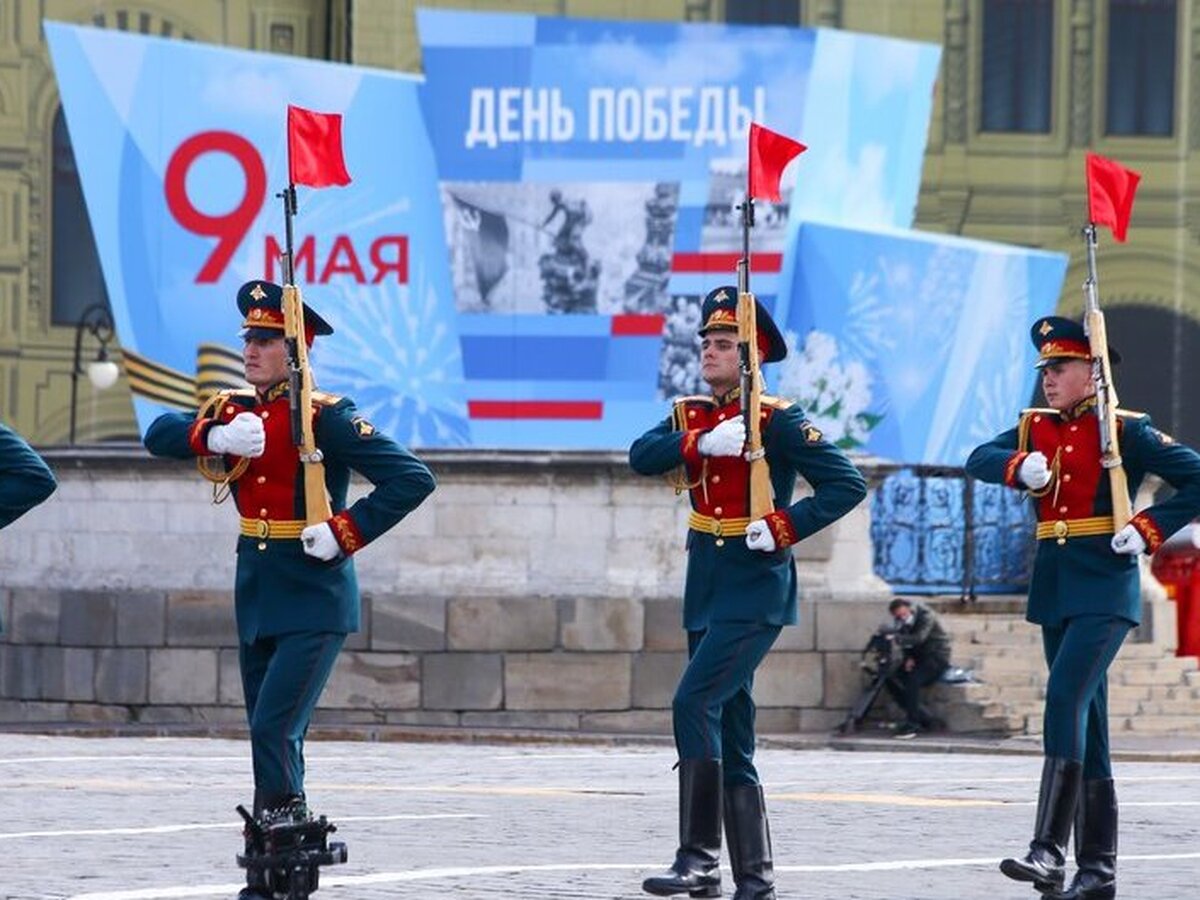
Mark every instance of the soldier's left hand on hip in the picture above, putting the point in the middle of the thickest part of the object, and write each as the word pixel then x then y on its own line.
pixel 1128 541
pixel 318 541
pixel 759 537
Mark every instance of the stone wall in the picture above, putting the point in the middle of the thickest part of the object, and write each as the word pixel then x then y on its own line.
pixel 531 590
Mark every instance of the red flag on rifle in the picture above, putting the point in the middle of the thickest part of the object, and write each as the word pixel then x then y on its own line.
pixel 1110 194
pixel 770 152
pixel 315 148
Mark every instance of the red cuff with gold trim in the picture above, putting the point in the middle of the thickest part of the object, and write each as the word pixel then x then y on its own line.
pixel 1149 531
pixel 781 529
pixel 690 448
pixel 348 536
pixel 1012 468
pixel 198 436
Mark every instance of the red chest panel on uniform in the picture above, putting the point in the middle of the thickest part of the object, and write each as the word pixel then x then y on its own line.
pixel 267 490
pixel 722 488
pixel 1075 444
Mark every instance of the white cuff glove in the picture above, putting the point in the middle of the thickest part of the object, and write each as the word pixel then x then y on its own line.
pixel 1034 473
pixel 727 439
pixel 318 541
pixel 1128 541
pixel 759 537
pixel 244 436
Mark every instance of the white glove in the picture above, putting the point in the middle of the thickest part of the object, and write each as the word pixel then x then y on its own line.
pixel 1034 473
pixel 243 436
pixel 1128 541
pixel 318 541
pixel 727 439
pixel 759 537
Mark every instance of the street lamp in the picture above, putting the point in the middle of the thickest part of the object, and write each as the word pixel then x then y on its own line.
pixel 102 372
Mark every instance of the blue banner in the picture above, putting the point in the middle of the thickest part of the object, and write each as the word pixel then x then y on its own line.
pixel 519 259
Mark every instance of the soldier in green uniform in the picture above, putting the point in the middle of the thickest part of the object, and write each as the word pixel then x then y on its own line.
pixel 740 591
pixel 1084 593
pixel 296 593
pixel 25 479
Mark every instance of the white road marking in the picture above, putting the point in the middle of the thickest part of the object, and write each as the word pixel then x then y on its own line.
pixel 467 872
pixel 206 826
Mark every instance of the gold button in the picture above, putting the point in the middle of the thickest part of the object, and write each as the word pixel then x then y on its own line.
pixel 262 479
pixel 691 414
pixel 720 542
pixel 720 417
pixel 1066 476
pixel 262 545
pixel 1061 541
pixel 1037 418
pixel 266 414
pixel 1074 427
pixel 717 510
pixel 263 512
pixel 1062 509
pixel 229 410
pixel 1068 448
pixel 716 479
pixel 1060 530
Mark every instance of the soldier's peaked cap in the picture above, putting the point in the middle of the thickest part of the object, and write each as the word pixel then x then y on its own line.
pixel 1059 339
pixel 719 313
pixel 261 306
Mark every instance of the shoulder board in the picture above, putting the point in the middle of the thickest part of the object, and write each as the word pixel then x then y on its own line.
pixel 321 398
pixel 210 408
pixel 775 402
pixel 695 398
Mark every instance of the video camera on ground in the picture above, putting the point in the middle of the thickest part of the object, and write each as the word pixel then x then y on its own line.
pixel 288 853
pixel 881 658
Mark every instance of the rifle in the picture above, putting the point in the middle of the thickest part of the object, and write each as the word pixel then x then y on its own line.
pixel 300 380
pixel 761 496
pixel 1106 392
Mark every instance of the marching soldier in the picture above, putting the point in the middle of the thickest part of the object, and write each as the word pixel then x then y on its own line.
pixel 1084 593
pixel 740 591
pixel 296 593
pixel 25 479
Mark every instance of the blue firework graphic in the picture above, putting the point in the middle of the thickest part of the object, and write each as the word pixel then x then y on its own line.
pixel 394 352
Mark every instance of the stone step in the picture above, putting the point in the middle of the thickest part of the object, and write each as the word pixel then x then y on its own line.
pixel 1156 724
pixel 1183 708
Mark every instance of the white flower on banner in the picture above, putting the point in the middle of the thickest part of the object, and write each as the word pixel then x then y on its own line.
pixel 835 396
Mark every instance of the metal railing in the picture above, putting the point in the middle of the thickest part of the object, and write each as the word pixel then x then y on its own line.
pixel 936 530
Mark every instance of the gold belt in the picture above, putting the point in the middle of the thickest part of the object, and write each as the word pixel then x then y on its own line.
pixel 272 528
pixel 1061 529
pixel 719 527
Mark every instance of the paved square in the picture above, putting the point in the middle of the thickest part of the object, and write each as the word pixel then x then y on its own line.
pixel 133 818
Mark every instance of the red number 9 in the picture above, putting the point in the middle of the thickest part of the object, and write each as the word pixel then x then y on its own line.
pixel 228 229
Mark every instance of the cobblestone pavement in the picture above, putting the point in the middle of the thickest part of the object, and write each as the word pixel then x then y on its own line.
pixel 132 818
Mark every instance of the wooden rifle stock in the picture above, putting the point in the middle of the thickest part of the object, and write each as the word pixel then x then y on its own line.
pixel 316 501
pixel 1106 391
pixel 761 497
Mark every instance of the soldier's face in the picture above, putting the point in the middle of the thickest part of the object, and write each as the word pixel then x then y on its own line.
pixel 265 360
pixel 1066 383
pixel 719 360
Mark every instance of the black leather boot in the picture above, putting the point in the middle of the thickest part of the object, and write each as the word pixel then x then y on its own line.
pixel 1057 798
pixel 748 835
pixel 696 870
pixel 1095 843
